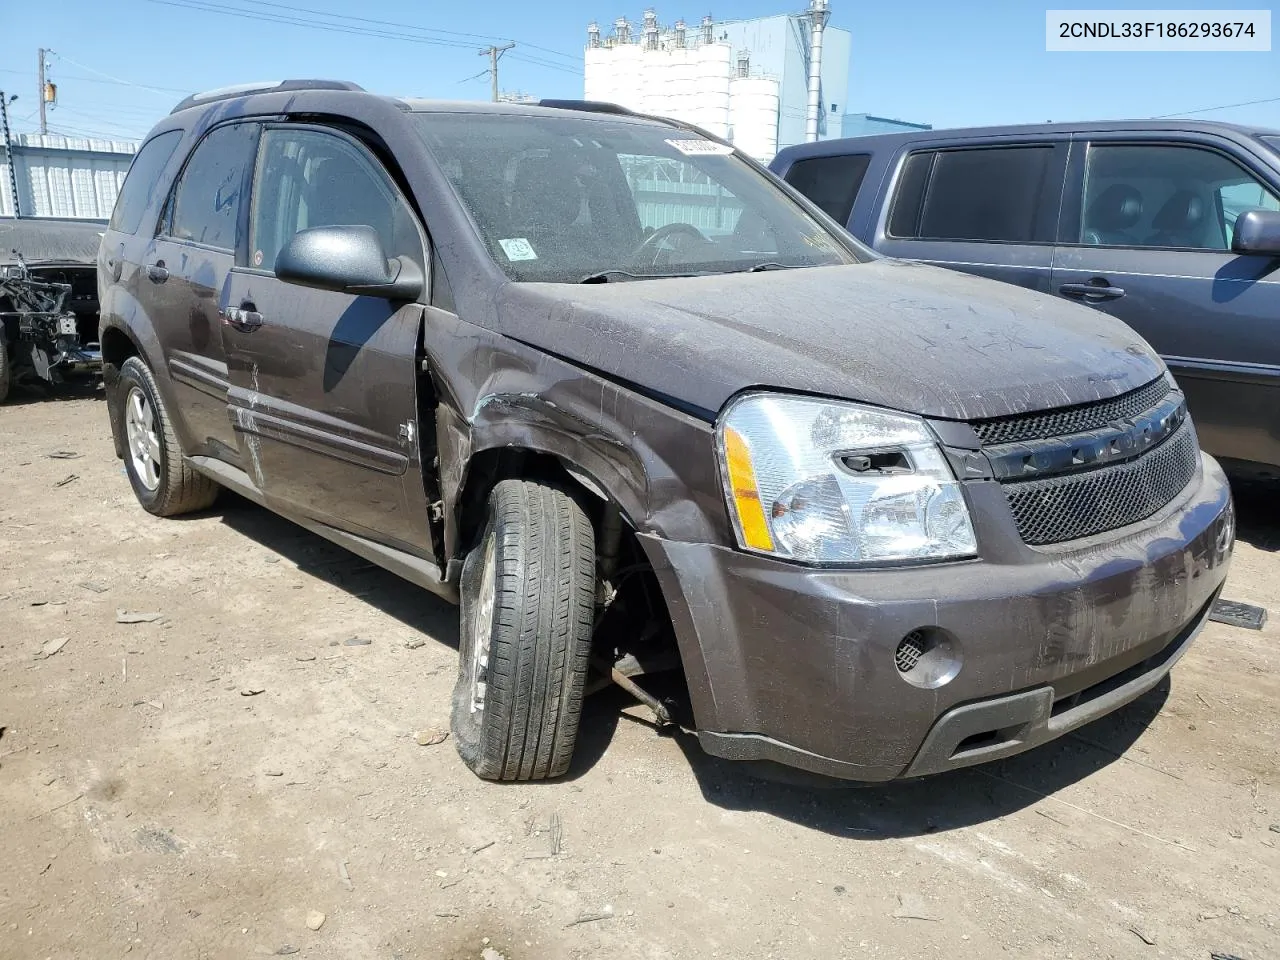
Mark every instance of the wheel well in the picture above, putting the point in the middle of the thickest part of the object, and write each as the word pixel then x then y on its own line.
pixel 116 349
pixel 632 617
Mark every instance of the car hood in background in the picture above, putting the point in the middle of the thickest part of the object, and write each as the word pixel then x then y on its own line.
pixel 50 241
pixel 905 336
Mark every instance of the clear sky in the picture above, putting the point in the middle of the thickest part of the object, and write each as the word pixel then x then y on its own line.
pixel 121 65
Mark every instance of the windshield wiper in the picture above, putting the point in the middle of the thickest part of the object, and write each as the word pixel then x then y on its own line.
pixel 605 276
pixel 773 265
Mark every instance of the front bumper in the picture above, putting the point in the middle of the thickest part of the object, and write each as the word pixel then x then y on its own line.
pixel 796 665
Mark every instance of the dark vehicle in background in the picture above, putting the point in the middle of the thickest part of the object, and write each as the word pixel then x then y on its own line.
pixel 602 380
pixel 1172 226
pixel 48 300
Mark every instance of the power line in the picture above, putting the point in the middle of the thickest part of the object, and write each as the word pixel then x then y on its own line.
pixel 208 7
pixel 485 38
pixel 1225 106
pixel 112 79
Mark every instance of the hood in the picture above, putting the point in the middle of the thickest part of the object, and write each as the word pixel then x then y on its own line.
pixel 50 241
pixel 906 336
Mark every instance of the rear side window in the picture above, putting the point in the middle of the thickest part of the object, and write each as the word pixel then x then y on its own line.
pixel 988 194
pixel 831 182
pixel 206 204
pixel 143 177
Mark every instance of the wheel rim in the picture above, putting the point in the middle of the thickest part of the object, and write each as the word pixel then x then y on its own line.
pixel 144 444
pixel 482 630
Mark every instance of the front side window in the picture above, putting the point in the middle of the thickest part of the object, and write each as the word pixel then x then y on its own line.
pixel 1166 196
pixel 566 199
pixel 310 178
pixel 141 181
pixel 831 182
pixel 206 203
pixel 992 194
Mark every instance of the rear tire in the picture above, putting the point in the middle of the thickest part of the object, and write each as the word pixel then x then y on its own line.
pixel 162 480
pixel 528 605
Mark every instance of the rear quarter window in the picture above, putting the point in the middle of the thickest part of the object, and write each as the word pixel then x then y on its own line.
pixel 981 194
pixel 832 183
pixel 141 181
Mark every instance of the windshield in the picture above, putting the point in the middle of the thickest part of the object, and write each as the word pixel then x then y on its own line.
pixel 572 199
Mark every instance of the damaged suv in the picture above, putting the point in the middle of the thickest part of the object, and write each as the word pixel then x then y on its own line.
pixel 608 384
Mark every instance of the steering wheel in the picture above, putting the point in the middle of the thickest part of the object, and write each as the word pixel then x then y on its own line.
pixel 652 247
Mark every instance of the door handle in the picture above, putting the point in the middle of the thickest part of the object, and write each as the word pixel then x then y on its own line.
pixel 116 263
pixel 1097 289
pixel 157 273
pixel 241 318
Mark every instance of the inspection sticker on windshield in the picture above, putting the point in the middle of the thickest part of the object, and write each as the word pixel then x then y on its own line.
pixel 518 248
pixel 701 148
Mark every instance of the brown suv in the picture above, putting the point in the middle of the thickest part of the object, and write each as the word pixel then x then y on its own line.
pixel 615 388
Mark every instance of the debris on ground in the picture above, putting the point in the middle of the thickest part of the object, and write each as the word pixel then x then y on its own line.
pixel 592 915
pixel 1149 941
pixel 52 647
pixel 154 704
pixel 64 455
pixel 357 642
pixel 287 950
pixel 273 773
pixel 415 643
pixel 429 738
pixel 70 478
pixel 344 875
pixel 305 657
pixel 315 920
pixel 94 586
pixel 483 846
pixel 912 909
pixel 124 616
pixel 252 691
pixel 1236 614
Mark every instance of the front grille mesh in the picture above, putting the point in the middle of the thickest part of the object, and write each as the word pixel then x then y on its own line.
pixel 1068 420
pixel 1077 505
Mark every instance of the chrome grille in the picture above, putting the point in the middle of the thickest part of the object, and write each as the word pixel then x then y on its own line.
pixel 1075 505
pixel 1068 420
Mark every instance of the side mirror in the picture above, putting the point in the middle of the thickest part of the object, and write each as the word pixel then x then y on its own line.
pixel 1257 232
pixel 347 259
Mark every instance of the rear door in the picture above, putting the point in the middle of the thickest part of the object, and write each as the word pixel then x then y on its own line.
pixel 1146 237
pixel 324 385
pixel 185 273
pixel 990 209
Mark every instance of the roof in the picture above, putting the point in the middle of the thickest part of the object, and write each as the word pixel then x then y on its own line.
pixel 59 241
pixel 887 140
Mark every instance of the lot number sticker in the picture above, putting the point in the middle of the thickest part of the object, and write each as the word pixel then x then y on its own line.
pixel 518 248
pixel 701 148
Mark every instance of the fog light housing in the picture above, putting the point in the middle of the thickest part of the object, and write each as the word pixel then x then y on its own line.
pixel 928 657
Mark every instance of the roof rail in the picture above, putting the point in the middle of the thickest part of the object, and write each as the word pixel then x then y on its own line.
pixel 588 106
pixel 268 86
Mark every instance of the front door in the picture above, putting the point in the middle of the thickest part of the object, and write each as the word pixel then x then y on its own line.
pixel 1152 229
pixel 324 385
pixel 187 269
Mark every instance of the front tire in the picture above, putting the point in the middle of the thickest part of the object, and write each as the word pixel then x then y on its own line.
pixel 162 480
pixel 528 604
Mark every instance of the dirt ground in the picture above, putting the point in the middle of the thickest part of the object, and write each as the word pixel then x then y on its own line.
pixel 152 804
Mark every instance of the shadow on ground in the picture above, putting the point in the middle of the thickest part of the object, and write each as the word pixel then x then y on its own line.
pixel 904 809
pixel 78 388
pixel 912 808
pixel 1257 512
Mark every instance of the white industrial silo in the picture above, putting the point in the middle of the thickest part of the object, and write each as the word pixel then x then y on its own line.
pixel 753 112
pixel 714 70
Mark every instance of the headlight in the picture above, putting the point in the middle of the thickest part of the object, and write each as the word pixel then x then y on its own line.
pixel 823 481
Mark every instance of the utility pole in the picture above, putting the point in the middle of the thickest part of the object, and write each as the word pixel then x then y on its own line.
pixel 8 153
pixel 44 127
pixel 494 53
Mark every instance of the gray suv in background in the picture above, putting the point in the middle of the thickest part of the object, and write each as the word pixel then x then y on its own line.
pixel 1171 226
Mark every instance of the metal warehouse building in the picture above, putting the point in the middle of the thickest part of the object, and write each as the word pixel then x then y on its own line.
pixel 58 176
